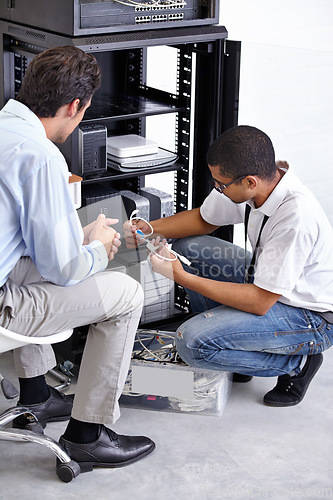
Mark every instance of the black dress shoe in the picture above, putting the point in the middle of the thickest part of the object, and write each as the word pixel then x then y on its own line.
pixel 109 450
pixel 238 377
pixel 56 408
pixel 289 391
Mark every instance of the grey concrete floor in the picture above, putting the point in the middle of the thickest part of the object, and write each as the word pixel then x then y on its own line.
pixel 252 451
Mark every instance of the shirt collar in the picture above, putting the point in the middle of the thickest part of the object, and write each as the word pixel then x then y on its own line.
pixel 277 195
pixel 22 111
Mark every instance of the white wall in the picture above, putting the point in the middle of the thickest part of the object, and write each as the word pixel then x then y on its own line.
pixel 286 81
pixel 305 24
pixel 286 86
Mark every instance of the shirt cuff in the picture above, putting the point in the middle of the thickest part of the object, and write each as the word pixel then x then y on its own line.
pixel 101 258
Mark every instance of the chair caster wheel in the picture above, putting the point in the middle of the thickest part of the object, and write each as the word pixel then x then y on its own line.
pixel 67 471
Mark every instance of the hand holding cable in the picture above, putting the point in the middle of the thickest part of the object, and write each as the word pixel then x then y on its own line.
pixel 154 246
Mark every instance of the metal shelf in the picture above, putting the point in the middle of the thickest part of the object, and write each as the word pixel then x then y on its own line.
pixel 113 175
pixel 126 107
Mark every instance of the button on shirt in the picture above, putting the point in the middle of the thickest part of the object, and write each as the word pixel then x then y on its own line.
pixel 295 256
pixel 38 218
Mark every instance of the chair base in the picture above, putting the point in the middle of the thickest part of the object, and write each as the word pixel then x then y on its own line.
pixel 67 469
pixel 64 380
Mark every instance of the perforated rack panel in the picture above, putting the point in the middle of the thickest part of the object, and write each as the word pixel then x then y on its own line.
pixel 87 17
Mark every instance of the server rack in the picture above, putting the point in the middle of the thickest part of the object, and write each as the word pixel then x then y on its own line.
pixel 88 17
pixel 205 102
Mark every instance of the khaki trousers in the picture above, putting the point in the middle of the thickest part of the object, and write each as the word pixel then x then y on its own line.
pixel 110 302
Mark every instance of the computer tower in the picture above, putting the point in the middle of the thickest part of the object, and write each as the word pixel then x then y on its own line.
pixel 133 201
pixel 161 203
pixel 98 199
pixel 114 266
pixel 159 292
pixel 92 149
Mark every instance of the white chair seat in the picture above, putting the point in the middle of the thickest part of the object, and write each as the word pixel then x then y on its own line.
pixel 10 340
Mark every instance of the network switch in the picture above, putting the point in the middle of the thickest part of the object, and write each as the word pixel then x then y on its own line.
pixel 92 17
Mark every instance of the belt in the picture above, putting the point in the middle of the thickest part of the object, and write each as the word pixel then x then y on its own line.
pixel 326 315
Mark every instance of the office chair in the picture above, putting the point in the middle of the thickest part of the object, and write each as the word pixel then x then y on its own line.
pixel 67 469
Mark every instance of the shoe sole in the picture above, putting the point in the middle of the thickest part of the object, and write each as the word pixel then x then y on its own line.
pixel 294 403
pixel 88 466
pixel 280 405
pixel 43 422
pixel 241 379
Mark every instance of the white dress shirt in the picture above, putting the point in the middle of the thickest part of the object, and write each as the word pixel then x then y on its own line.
pixel 295 256
pixel 38 218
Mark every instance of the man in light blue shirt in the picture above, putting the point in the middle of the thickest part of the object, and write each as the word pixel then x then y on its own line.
pixel 51 275
pixel 42 222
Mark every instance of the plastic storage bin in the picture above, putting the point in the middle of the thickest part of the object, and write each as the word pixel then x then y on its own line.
pixel 176 388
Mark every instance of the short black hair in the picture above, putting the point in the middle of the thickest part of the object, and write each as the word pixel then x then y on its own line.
pixel 57 77
pixel 243 150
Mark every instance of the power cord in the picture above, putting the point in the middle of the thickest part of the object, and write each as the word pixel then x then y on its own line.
pixel 150 243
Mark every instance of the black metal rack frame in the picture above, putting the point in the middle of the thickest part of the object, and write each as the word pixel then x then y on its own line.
pixel 205 102
pixel 89 17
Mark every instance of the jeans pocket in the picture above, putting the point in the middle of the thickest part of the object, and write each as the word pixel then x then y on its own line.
pixel 302 349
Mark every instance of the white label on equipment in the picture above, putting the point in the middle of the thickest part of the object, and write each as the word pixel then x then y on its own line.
pixel 162 382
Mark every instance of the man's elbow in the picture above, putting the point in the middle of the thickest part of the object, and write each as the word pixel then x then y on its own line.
pixel 261 311
pixel 264 301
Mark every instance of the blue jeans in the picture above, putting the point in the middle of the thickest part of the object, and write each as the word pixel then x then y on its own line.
pixel 227 339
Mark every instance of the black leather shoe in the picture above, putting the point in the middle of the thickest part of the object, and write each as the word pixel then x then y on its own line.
pixel 289 391
pixel 109 450
pixel 56 408
pixel 238 377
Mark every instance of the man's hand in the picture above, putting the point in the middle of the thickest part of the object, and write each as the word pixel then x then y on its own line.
pixel 101 231
pixel 86 231
pixel 132 238
pixel 169 269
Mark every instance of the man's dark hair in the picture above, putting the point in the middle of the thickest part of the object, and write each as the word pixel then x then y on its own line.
pixel 57 77
pixel 243 150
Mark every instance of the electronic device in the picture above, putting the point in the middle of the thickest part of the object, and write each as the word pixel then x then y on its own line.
pixel 159 292
pixel 92 149
pixel 129 145
pixel 98 199
pixel 161 203
pixel 114 266
pixel 163 158
pixel 93 17
pixel 93 193
pixel 133 201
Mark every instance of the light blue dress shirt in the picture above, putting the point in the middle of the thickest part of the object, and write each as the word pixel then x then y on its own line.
pixel 38 218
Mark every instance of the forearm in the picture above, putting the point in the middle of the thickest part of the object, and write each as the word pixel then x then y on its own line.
pixel 86 232
pixel 182 224
pixel 92 259
pixel 242 296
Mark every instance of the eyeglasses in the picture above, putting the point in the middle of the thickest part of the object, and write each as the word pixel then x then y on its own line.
pixel 220 187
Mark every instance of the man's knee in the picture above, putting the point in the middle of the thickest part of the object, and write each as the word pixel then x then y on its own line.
pixel 176 245
pixel 138 293
pixel 133 290
pixel 115 287
pixel 194 247
pixel 197 345
pixel 187 344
